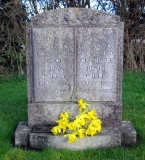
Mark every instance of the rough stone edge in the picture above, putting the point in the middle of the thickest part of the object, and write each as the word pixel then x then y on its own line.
pixel 75 10
pixel 118 111
pixel 22 134
pixel 72 17
pixel 128 134
pixel 41 15
pixel 29 58
pixel 120 62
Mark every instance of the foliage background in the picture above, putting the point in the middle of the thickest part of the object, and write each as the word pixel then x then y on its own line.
pixel 15 14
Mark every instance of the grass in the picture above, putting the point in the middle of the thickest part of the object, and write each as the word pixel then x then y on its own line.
pixel 13 108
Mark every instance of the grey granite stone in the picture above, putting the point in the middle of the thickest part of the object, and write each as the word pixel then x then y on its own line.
pixel 108 138
pixel 22 135
pixel 48 113
pixel 53 64
pixel 42 138
pixel 75 17
pixel 80 56
pixel 128 134
pixel 71 54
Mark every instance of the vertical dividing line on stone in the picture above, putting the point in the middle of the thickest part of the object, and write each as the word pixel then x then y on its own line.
pixel 75 61
pixel 32 71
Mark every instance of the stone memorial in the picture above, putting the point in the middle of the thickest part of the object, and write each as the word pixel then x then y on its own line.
pixel 71 54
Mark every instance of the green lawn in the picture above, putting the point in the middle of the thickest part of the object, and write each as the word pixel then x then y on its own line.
pixel 13 108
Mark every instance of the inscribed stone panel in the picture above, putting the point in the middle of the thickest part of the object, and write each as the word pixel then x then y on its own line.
pixel 53 56
pixel 97 63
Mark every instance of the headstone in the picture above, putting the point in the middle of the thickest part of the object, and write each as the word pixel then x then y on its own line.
pixel 71 54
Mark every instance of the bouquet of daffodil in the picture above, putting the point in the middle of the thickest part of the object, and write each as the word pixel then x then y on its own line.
pixel 86 123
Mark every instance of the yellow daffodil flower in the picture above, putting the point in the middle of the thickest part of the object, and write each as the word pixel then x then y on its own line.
pixel 64 115
pixel 62 123
pixel 91 131
pixel 80 120
pixel 71 137
pixel 98 128
pixel 86 123
pixel 72 126
pixel 92 114
pixel 85 116
pixel 56 130
pixel 80 133
pixel 82 104
pixel 96 124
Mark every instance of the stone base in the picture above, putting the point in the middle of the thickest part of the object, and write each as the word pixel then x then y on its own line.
pixel 124 135
pixel 22 134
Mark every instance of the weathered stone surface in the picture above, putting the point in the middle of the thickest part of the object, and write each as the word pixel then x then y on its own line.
pixel 97 63
pixel 22 135
pixel 63 74
pixel 75 17
pixel 48 113
pixel 53 63
pixel 80 56
pixel 128 134
pixel 58 69
pixel 75 53
pixel 108 138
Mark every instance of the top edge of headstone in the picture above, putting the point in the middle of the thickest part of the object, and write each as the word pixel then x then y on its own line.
pixel 74 17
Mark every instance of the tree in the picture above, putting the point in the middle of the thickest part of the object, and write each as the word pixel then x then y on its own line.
pixel 12 34
pixel 132 13
pixel 15 13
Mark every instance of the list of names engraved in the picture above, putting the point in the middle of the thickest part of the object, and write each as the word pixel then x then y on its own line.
pixel 72 63
pixel 97 63
pixel 53 54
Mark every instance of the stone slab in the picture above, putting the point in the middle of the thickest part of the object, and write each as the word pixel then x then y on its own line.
pixel 124 135
pixel 22 135
pixel 53 58
pixel 80 56
pixel 107 138
pixel 71 54
pixel 71 63
pixel 48 113
pixel 128 134
pixel 97 63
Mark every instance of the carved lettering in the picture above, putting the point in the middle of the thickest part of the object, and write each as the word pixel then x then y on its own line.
pixel 54 75
pixel 104 90
pixel 109 60
pixel 62 69
pixel 97 60
pixel 86 83
pixel 63 82
pixel 97 72
pixel 58 60
pixel 52 68
pixel 95 68
pixel 55 58
pixel 96 90
pixel 95 75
